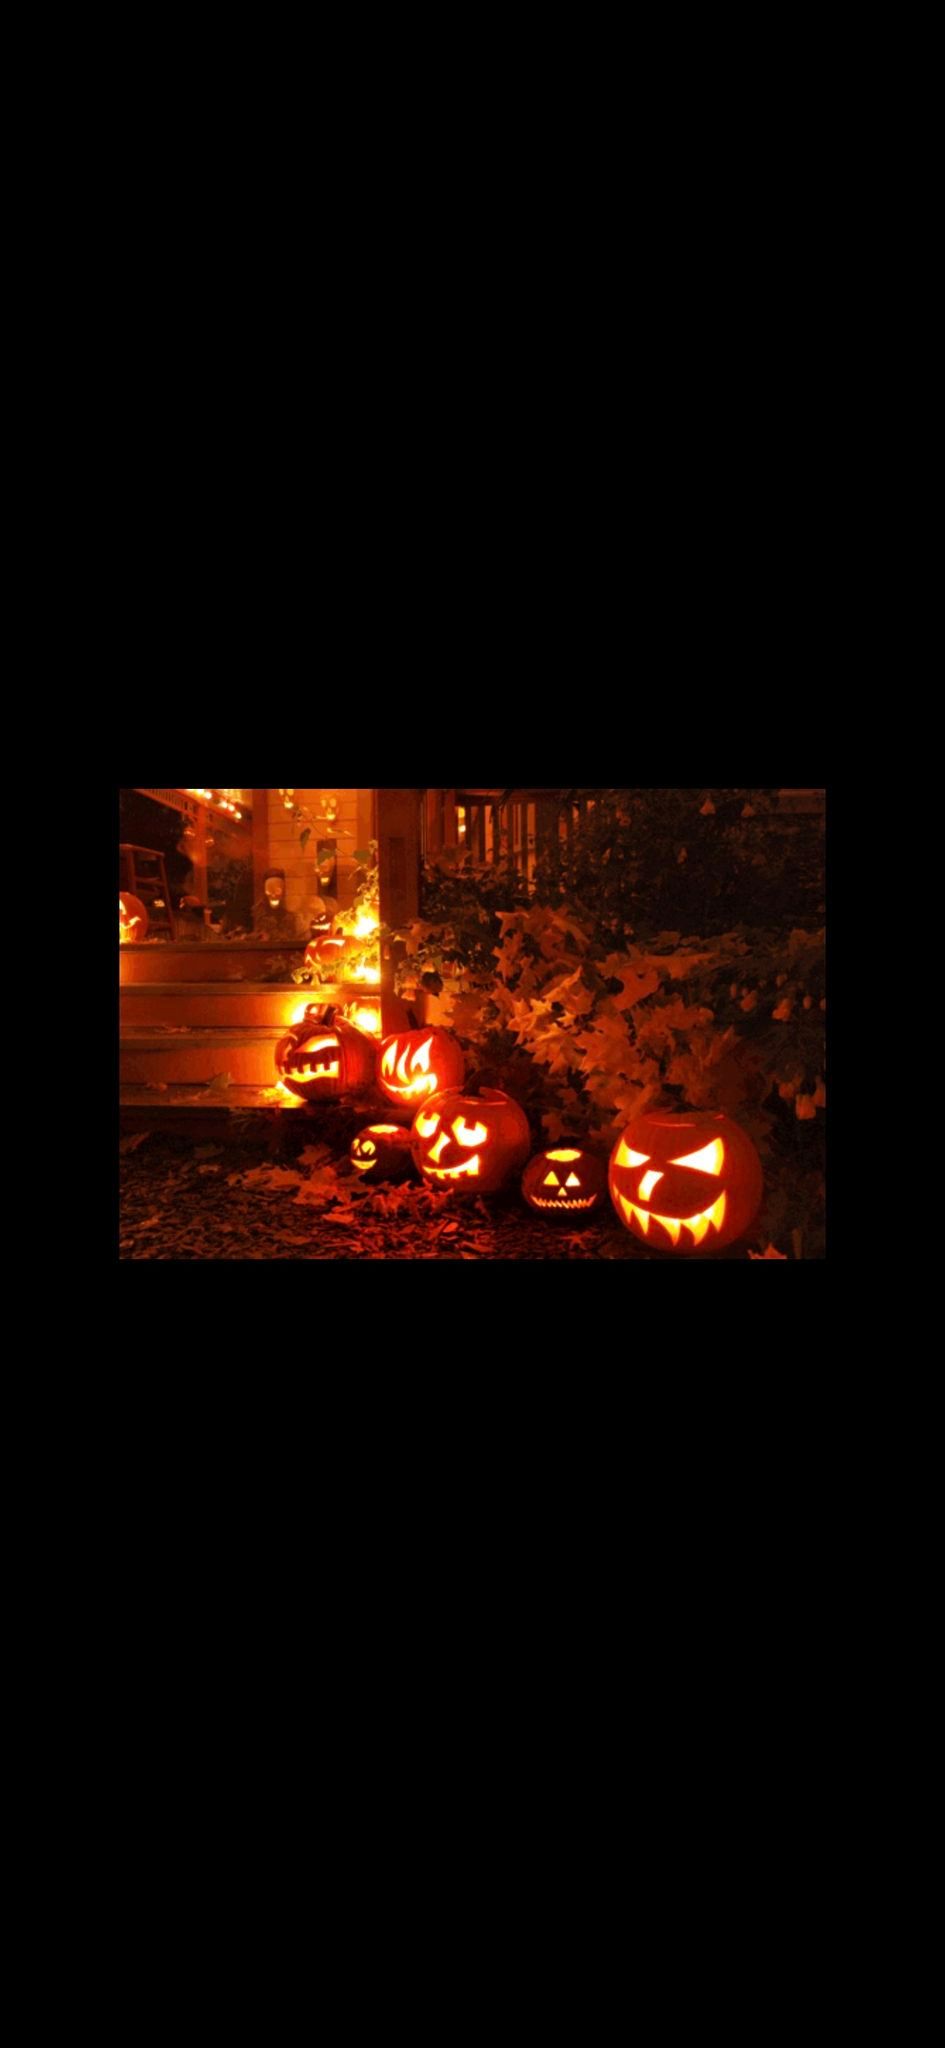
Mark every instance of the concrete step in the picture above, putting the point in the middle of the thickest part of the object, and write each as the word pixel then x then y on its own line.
pixel 148 1057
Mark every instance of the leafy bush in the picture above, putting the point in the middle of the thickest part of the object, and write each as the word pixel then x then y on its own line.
pixel 587 1020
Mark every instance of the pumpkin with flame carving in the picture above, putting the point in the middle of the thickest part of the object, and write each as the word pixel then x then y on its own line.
pixel 323 1057
pixel 383 1152
pixel 565 1183
pixel 470 1142
pixel 686 1182
pixel 414 1064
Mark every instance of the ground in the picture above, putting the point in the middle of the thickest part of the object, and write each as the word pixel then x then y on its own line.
pixel 282 1191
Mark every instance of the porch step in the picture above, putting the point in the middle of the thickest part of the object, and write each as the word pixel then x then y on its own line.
pixel 148 1057
pixel 216 1005
pixel 198 1112
pixel 214 961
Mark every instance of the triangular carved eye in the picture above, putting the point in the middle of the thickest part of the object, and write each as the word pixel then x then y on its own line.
pixel 572 1181
pixel 710 1160
pixel 552 1181
pixel 627 1158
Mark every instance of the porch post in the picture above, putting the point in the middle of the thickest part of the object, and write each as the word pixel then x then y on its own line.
pixel 260 840
pixel 398 835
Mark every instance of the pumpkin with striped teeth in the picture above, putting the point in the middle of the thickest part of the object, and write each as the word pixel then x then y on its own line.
pixel 323 1056
pixel 686 1182
pixel 565 1183
pixel 470 1142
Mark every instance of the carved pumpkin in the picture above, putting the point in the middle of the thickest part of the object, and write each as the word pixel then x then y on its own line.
pixel 323 1056
pixel 689 1182
pixel 566 1183
pixel 471 1142
pixel 326 956
pixel 414 1064
pixel 383 1152
pixel 132 919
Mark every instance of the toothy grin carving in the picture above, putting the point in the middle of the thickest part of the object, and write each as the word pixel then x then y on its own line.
pixel 452 1172
pixel 674 1225
pixel 570 1203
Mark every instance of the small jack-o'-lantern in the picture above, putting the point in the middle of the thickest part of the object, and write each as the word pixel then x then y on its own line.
pixel 323 1056
pixel 470 1142
pixel 132 919
pixel 415 1064
pixel 383 1152
pixel 689 1182
pixel 565 1183
pixel 327 956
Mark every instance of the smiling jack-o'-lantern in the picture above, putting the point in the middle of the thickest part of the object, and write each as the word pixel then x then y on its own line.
pixel 326 956
pixel 324 1056
pixel 565 1183
pixel 470 1142
pixel 132 919
pixel 415 1064
pixel 689 1182
pixel 383 1152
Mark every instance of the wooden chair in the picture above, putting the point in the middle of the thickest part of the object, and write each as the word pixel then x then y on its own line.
pixel 149 883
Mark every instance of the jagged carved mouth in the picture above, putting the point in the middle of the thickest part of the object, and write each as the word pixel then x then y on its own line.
pixel 699 1225
pixel 569 1203
pixel 453 1172
pixel 309 1068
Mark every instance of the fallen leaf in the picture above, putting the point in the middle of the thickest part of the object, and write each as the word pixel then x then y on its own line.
pixel 272 1177
pixel 769 1254
pixel 131 1144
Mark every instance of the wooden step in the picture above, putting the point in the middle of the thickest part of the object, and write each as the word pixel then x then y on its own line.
pixel 248 1056
pixel 196 1112
pixel 203 961
pixel 215 1005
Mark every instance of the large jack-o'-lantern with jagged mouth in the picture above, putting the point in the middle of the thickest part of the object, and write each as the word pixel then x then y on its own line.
pixel 565 1183
pixel 415 1064
pixel 470 1142
pixel 323 1057
pixel 689 1182
pixel 383 1152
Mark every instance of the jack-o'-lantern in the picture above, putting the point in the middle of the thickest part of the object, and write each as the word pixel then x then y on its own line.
pixel 323 1056
pixel 412 1065
pixel 132 919
pixel 383 1152
pixel 686 1182
pixel 565 1183
pixel 470 1142
pixel 327 956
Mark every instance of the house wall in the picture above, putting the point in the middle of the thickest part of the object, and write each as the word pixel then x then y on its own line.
pixel 277 845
